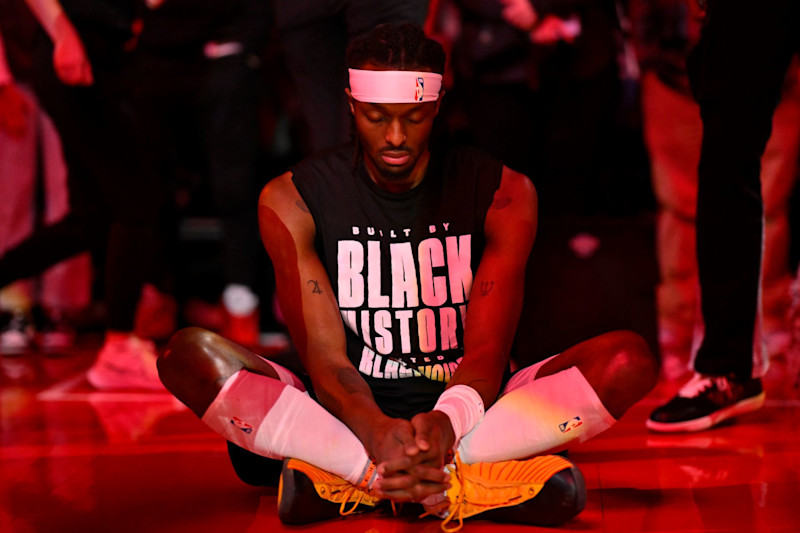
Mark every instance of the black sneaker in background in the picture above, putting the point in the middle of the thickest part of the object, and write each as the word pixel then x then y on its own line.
pixel 705 401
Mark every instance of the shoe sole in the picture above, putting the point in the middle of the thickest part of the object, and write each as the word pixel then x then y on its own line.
pixel 562 498
pixel 699 424
pixel 254 469
pixel 299 503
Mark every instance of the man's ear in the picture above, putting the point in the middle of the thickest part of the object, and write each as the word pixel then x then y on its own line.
pixel 350 100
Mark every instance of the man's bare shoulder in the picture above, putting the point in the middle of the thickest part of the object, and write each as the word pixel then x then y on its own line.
pixel 516 190
pixel 281 205
pixel 278 190
pixel 281 196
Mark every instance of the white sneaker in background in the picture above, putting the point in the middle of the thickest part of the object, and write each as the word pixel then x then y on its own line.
pixel 125 362
pixel 16 332
pixel 243 320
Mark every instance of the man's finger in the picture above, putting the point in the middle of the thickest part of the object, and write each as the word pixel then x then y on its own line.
pixel 392 467
pixel 405 436
pixel 398 482
pixel 414 493
pixel 412 448
pixel 427 473
pixel 423 433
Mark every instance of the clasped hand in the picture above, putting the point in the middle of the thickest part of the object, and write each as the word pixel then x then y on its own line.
pixel 410 456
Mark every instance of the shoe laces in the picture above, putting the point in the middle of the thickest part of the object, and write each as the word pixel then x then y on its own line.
pixel 456 510
pixel 360 489
pixel 343 510
pixel 701 383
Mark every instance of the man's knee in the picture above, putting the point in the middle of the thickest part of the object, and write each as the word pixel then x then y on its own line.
pixel 184 348
pixel 194 366
pixel 630 354
pixel 630 370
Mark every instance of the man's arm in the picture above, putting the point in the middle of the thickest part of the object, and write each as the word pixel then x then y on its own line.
pixel 498 290
pixel 493 311
pixel 69 56
pixel 315 324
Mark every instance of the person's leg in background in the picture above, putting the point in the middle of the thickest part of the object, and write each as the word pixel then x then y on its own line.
pixel 18 181
pixel 228 101
pixel 85 225
pixel 112 204
pixel 313 44
pixel 779 168
pixel 736 111
pixel 673 131
pixel 729 209
pixel 64 290
pixel 34 175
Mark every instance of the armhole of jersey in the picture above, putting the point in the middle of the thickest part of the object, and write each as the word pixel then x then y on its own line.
pixel 486 188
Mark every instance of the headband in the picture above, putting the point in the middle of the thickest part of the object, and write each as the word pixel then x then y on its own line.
pixel 394 86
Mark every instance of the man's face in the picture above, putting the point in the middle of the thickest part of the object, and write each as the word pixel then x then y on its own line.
pixel 395 139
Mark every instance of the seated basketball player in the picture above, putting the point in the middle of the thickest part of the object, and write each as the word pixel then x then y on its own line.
pixel 400 271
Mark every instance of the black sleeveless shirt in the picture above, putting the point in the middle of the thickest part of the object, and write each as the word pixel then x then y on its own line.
pixel 402 265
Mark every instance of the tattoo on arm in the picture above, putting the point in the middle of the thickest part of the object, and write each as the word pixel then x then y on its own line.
pixel 350 382
pixel 314 286
pixel 328 400
pixel 486 287
pixel 303 207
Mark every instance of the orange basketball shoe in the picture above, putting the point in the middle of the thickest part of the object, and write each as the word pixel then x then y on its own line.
pixel 309 494
pixel 546 490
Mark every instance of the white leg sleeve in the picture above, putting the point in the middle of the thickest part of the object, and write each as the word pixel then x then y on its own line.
pixel 536 416
pixel 285 375
pixel 276 420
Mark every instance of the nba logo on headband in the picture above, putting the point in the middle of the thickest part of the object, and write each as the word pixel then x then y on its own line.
pixel 419 92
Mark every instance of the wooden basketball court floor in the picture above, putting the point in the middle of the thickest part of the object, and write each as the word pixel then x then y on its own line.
pixel 77 460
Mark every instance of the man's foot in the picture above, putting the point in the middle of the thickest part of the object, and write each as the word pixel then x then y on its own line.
pixel 545 491
pixel 309 494
pixel 705 401
pixel 125 362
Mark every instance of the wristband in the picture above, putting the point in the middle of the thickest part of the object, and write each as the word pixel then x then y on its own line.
pixel 463 406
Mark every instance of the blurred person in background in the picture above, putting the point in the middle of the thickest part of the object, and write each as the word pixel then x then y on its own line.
pixel 538 84
pixel 113 210
pixel 196 88
pixel 33 312
pixel 666 31
pixel 737 72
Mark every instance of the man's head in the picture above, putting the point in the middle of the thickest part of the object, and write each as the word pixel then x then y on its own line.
pixel 395 91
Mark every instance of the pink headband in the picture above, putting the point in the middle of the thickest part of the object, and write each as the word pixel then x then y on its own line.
pixel 394 86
